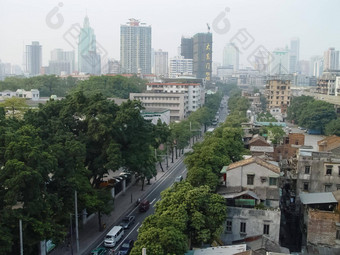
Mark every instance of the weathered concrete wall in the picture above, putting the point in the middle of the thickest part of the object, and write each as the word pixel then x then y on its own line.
pixel 321 228
pixel 238 176
pixel 255 220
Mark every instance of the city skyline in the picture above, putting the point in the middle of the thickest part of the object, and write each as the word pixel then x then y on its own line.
pixel 167 32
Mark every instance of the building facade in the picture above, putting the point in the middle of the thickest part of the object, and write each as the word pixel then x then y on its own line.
pixel 89 62
pixel 135 47
pixel 193 91
pixel 294 55
pixel 62 62
pixel 331 59
pixel 161 63
pixel 231 56
pixel 187 48
pixel 180 66
pixel 202 56
pixel 177 103
pixel 317 171
pixel 33 58
pixel 280 62
pixel 278 94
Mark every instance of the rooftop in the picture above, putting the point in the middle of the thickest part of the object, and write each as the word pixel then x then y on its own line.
pixel 317 198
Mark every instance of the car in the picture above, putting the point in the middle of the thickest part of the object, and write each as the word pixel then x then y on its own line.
pixel 179 178
pixel 127 221
pixel 126 247
pixel 144 205
pixel 98 251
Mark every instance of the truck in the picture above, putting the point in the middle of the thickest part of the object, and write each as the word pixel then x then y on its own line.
pixel 314 131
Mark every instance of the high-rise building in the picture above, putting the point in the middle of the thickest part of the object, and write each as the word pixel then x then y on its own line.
pixel 316 66
pixel 280 62
pixel 294 55
pixel 202 55
pixel 88 59
pixel 231 56
pixel 180 66
pixel 135 47
pixel 62 62
pixel 161 63
pixel 33 58
pixel 187 47
pixel 331 59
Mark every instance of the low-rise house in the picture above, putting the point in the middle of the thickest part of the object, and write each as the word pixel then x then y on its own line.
pixel 330 143
pixel 289 147
pixel 320 222
pixel 252 196
pixel 317 171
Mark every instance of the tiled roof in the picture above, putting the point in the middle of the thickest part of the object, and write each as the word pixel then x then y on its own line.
pixel 256 160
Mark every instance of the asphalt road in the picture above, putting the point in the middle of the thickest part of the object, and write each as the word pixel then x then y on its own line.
pixel 153 196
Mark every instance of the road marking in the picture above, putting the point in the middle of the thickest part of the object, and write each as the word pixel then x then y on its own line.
pixel 153 201
pixel 127 235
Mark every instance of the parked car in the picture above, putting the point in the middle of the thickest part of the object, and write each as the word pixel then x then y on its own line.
pixel 144 205
pixel 98 251
pixel 127 221
pixel 126 247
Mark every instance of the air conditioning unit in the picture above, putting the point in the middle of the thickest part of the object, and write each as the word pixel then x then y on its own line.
pixel 263 178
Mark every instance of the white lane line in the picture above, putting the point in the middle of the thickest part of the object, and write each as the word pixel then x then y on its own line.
pixel 127 235
pixel 152 201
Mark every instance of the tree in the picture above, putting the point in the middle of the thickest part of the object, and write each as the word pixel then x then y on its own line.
pixel 15 104
pixel 333 127
pixel 317 115
pixel 297 106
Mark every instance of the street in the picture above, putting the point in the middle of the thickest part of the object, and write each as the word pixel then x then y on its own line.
pixel 153 196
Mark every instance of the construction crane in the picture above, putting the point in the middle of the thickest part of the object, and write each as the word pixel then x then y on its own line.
pixel 208 27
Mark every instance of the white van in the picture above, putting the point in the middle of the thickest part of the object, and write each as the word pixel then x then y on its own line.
pixel 115 234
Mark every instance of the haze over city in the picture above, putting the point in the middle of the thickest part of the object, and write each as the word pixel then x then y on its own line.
pixel 271 24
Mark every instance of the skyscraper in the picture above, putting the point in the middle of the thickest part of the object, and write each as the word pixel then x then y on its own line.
pixel 61 62
pixel 88 59
pixel 161 63
pixel 202 55
pixel 187 48
pixel 33 58
pixel 280 63
pixel 231 56
pixel 331 59
pixel 294 55
pixel 316 66
pixel 135 47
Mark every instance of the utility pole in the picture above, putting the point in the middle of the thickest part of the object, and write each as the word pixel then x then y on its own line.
pixel 76 219
pixel 21 240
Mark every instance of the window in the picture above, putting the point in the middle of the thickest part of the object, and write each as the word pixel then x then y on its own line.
pixel 272 181
pixel 305 186
pixel 337 234
pixel 229 226
pixel 329 169
pixel 243 227
pixel 328 187
pixel 266 229
pixel 250 179
pixel 307 169
pixel 339 170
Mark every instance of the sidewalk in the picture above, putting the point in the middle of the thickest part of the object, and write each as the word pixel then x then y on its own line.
pixel 89 233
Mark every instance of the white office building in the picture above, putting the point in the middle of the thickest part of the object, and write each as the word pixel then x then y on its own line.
pixel 180 66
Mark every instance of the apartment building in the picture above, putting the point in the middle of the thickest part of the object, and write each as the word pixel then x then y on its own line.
pixel 278 94
pixel 193 91
pixel 177 103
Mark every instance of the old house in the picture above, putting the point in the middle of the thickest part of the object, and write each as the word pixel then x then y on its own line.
pixel 252 196
pixel 320 222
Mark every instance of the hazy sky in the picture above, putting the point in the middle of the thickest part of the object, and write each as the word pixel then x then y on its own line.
pixel 271 23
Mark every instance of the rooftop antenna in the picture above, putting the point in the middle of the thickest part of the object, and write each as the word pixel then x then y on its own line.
pixel 208 27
